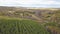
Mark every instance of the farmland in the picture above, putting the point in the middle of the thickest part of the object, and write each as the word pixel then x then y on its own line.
pixel 16 26
pixel 21 20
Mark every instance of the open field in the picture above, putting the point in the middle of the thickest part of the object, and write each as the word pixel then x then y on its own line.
pixel 16 26
pixel 20 20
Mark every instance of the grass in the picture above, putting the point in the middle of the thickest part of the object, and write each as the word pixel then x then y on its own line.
pixel 20 26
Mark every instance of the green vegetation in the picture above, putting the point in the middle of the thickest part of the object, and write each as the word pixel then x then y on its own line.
pixel 24 21
pixel 16 26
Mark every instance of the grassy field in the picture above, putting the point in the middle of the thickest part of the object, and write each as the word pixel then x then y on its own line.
pixel 20 26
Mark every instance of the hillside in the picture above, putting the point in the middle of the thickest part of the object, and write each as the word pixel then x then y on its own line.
pixel 16 26
pixel 42 15
pixel 31 19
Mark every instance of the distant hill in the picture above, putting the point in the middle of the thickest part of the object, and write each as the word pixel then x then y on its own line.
pixel 43 14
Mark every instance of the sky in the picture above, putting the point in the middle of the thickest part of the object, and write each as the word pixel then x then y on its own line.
pixel 31 3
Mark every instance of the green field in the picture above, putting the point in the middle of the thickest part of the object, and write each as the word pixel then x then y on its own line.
pixel 16 26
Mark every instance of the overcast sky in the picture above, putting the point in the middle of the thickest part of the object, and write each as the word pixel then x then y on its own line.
pixel 31 3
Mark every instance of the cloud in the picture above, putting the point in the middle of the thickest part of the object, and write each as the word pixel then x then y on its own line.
pixel 31 3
